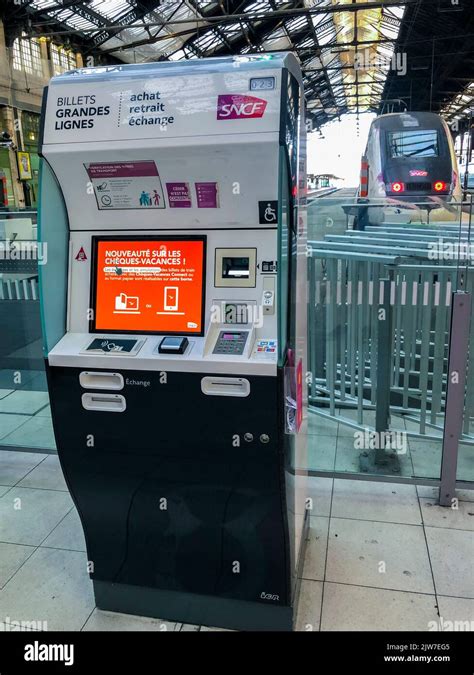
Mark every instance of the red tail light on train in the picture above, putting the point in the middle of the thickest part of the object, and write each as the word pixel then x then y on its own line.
pixel 397 187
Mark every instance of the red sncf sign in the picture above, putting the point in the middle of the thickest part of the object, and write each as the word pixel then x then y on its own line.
pixel 238 106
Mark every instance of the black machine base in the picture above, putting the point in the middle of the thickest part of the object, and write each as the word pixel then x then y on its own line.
pixel 201 609
pixel 192 608
pixel 154 493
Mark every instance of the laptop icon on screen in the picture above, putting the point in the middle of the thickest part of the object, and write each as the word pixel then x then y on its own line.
pixel 126 303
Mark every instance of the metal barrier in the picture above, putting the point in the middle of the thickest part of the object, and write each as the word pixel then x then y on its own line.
pixel 379 317
pixel 16 289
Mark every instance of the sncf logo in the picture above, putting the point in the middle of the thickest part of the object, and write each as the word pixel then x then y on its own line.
pixel 418 172
pixel 238 106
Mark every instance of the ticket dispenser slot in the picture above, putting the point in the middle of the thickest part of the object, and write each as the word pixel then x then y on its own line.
pixel 96 380
pixel 225 386
pixel 104 402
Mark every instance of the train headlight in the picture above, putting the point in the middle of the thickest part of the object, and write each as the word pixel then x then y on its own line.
pixel 397 187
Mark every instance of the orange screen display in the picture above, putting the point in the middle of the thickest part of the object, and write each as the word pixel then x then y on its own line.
pixel 149 285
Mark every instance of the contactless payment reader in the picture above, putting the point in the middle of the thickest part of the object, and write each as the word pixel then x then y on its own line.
pixel 174 320
pixel 173 345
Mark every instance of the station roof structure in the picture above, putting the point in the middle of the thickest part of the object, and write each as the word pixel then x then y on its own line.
pixel 438 40
pixel 353 52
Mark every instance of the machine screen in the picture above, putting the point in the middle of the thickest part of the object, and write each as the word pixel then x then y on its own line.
pixel 148 285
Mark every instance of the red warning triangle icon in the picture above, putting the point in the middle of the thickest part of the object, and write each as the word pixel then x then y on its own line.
pixel 81 255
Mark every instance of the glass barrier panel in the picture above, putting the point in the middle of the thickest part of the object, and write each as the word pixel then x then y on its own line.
pixel 380 296
pixel 25 417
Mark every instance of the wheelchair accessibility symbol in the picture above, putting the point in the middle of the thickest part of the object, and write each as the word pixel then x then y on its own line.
pixel 268 212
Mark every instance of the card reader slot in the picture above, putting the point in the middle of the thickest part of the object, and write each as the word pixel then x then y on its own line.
pixel 104 402
pixel 96 380
pixel 225 386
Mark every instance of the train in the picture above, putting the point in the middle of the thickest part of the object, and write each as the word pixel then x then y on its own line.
pixel 410 163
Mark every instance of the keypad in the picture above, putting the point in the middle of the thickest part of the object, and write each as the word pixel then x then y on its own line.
pixel 231 343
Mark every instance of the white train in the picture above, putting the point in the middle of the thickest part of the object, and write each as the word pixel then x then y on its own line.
pixel 410 163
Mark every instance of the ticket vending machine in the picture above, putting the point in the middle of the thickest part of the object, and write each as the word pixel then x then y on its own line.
pixel 174 319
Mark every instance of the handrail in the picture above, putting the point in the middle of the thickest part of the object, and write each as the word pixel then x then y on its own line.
pixel 353 247
pixel 13 213
pixel 387 234
pixel 356 256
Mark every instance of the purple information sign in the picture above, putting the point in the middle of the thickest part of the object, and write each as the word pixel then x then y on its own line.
pixel 102 170
pixel 207 195
pixel 179 195
pixel 126 185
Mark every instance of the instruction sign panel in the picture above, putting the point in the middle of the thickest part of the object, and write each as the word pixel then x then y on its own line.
pixel 126 185
pixel 207 195
pixel 149 285
pixel 179 195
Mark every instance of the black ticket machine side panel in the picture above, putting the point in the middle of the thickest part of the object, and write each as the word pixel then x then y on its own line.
pixel 174 345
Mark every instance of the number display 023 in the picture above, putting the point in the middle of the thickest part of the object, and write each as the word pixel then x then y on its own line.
pixel 262 83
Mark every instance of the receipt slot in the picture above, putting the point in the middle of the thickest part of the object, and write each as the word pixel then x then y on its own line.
pixel 174 321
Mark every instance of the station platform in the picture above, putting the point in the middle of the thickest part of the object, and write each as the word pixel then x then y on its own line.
pixel 354 525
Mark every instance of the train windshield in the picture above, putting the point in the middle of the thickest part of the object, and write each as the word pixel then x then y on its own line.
pixel 413 143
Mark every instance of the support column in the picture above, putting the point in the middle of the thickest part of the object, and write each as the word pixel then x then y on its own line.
pixel 11 127
pixel 456 385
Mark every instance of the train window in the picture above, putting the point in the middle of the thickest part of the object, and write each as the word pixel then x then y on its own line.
pixel 413 143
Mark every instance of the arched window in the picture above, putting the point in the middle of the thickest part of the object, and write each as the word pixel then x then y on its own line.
pixel 27 56
pixel 62 59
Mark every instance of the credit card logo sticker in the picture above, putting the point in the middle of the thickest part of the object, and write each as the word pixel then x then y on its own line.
pixel 238 106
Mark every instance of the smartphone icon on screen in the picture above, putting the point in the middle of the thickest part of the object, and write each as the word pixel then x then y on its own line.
pixel 171 298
